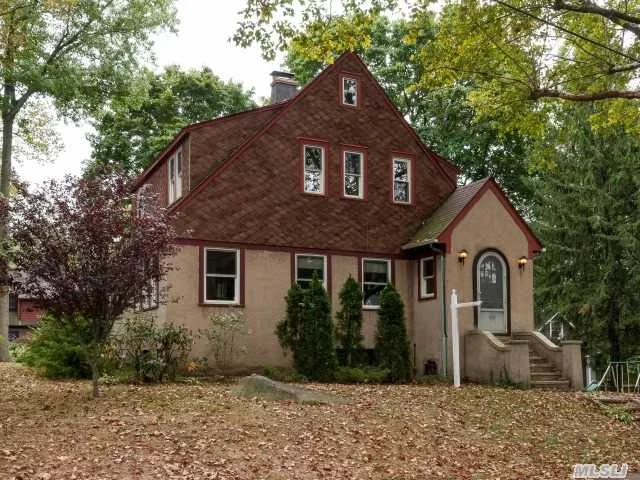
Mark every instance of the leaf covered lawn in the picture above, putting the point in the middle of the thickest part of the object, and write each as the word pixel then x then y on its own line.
pixel 53 430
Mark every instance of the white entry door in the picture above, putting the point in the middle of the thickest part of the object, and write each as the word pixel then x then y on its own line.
pixel 491 288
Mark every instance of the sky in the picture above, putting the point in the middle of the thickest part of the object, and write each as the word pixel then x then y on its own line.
pixel 202 40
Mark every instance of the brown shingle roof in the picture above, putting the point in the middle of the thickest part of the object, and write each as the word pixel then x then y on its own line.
pixel 433 226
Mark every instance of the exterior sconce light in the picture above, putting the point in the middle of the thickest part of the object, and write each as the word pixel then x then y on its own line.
pixel 462 256
pixel 522 262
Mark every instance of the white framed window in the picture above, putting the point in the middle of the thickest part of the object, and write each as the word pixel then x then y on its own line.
pixel 353 168
pixel 402 180
pixel 221 276
pixel 376 273
pixel 428 277
pixel 141 200
pixel 314 169
pixel 175 176
pixel 349 92
pixel 149 297
pixel 307 265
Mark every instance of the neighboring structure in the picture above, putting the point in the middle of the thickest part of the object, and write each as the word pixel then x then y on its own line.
pixel 333 180
pixel 24 314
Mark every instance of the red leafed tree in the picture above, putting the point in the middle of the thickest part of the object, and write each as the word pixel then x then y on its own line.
pixel 81 249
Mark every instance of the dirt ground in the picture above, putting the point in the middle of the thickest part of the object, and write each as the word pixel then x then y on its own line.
pixel 53 430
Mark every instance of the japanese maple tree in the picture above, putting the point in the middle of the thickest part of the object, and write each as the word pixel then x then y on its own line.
pixel 82 251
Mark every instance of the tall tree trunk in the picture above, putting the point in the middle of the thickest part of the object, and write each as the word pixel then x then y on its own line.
pixel 8 117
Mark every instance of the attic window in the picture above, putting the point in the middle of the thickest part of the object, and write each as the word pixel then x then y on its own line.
pixel 350 94
pixel 175 176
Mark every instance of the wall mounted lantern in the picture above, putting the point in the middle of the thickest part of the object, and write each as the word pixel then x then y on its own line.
pixel 522 262
pixel 462 256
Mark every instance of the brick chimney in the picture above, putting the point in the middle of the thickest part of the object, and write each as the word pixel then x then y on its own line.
pixel 283 86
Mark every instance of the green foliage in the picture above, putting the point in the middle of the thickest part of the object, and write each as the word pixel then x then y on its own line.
pixel 17 351
pixel 588 218
pixel 133 128
pixel 225 334
pixel 349 319
pixel 362 374
pixel 392 344
pixel 307 330
pixel 58 349
pixel 152 352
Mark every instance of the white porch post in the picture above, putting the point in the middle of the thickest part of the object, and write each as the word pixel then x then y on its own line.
pixel 455 335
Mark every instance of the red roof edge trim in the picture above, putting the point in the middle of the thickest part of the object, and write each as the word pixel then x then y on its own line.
pixel 534 244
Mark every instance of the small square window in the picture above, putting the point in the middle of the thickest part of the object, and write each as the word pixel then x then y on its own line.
pixel 307 265
pixel 353 167
pixel 350 91
pixel 428 277
pixel 375 276
pixel 402 180
pixel 313 169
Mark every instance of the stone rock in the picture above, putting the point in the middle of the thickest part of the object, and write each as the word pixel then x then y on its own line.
pixel 257 386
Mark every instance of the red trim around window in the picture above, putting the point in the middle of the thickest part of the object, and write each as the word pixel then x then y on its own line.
pixel 344 147
pixel 411 157
pixel 359 89
pixel 314 142
pixel 312 254
pixel 421 297
pixel 241 299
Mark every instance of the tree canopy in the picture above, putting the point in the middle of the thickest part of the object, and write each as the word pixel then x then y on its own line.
pixel 72 55
pixel 516 53
pixel 135 127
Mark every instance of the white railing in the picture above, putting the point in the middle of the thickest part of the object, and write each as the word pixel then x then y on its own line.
pixel 622 377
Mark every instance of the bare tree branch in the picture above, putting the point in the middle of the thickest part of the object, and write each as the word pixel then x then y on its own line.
pixel 625 20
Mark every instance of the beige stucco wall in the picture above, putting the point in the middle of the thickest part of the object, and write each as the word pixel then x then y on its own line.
pixel 426 320
pixel 489 225
pixel 267 278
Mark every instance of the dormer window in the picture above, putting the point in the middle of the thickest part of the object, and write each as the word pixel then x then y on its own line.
pixel 314 169
pixel 402 180
pixel 350 91
pixel 175 176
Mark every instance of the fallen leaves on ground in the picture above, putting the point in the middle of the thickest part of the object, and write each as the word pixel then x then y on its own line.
pixel 52 430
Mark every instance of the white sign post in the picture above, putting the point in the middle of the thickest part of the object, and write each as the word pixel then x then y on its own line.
pixel 455 333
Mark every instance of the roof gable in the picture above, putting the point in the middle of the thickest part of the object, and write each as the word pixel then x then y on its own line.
pixel 447 170
pixel 439 226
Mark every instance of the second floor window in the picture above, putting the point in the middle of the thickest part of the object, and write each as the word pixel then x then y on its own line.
pixel 353 174
pixel 175 176
pixel 401 180
pixel 314 169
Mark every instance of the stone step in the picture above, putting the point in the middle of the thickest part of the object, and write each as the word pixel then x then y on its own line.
pixel 542 367
pixel 561 384
pixel 543 376
pixel 535 360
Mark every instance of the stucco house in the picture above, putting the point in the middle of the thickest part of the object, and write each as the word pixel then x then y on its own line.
pixel 331 179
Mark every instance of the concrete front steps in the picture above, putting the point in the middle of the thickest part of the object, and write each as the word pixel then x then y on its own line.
pixel 545 375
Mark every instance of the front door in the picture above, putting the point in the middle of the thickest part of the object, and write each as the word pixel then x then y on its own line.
pixel 491 288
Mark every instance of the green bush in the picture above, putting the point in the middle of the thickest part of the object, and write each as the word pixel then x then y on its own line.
pixel 392 344
pixel 58 349
pixel 362 375
pixel 152 352
pixel 307 330
pixel 17 350
pixel 349 320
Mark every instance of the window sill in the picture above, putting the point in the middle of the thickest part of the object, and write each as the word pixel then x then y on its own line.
pixel 371 307
pixel 357 199
pixel 223 305
pixel 312 194
pixel 403 204
pixel 427 298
